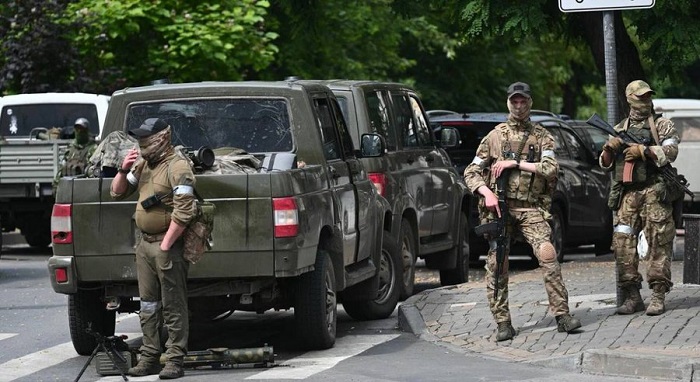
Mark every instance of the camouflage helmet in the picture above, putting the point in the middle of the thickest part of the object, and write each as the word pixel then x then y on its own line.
pixel 82 122
pixel 638 88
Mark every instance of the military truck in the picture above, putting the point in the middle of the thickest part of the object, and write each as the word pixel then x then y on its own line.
pixel 300 228
pixel 34 131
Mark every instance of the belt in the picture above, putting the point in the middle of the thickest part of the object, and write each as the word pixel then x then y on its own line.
pixel 152 238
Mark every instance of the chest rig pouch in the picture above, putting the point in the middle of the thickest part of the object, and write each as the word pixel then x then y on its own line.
pixel 639 172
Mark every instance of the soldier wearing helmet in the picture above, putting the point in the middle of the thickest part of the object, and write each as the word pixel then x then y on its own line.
pixel 76 157
pixel 641 200
pixel 523 152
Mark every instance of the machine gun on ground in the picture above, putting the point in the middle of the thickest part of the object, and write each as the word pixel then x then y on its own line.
pixel 669 174
pixel 497 229
pixel 114 347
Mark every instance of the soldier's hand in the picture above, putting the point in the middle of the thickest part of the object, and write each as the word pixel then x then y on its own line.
pixel 635 152
pixel 613 145
pixel 129 159
pixel 490 200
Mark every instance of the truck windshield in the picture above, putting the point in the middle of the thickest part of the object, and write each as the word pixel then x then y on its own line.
pixel 256 125
pixel 19 120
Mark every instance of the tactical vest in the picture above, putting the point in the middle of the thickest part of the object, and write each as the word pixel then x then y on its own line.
pixel 76 159
pixel 643 172
pixel 522 185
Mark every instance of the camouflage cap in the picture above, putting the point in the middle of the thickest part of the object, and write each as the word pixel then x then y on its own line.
pixel 519 88
pixel 638 88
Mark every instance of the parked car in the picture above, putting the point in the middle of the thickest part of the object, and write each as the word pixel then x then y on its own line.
pixel 579 204
pixel 685 114
pixel 593 137
pixel 426 195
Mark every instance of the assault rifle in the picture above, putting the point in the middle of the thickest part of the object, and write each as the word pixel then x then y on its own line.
pixel 497 229
pixel 667 171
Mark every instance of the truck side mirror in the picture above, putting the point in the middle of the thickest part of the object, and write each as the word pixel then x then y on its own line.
pixel 449 137
pixel 372 145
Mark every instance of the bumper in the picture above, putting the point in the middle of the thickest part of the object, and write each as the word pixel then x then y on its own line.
pixel 59 265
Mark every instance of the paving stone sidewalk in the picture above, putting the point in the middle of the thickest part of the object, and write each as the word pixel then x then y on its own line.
pixel 665 347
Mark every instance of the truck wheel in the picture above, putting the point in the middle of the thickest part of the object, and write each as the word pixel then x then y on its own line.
pixel 315 308
pixel 602 246
pixel 459 274
pixel 409 257
pixel 85 308
pixel 558 232
pixel 38 239
pixel 389 286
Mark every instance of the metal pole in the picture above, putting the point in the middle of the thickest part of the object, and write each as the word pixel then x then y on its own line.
pixel 611 93
pixel 610 65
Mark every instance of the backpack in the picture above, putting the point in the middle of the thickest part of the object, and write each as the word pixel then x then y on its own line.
pixel 109 155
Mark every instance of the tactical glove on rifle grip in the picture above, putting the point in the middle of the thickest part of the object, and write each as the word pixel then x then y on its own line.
pixel 613 144
pixel 635 152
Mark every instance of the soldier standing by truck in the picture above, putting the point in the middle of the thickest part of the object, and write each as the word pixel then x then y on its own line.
pixel 166 205
pixel 80 150
pixel 641 199
pixel 524 153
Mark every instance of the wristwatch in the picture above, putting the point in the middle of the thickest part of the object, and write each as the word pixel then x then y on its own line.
pixel 123 170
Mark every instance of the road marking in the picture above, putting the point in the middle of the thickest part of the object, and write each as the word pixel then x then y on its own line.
pixel 4 336
pixel 40 360
pixel 315 362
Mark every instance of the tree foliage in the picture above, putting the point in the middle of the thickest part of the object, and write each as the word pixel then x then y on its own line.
pixel 182 40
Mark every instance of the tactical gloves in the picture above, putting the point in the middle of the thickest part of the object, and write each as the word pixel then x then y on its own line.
pixel 613 144
pixel 634 153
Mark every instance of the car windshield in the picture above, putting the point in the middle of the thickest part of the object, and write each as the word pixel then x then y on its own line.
pixel 688 128
pixel 19 120
pixel 255 125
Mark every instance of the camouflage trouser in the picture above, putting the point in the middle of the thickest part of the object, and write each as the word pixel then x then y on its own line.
pixel 537 232
pixel 642 210
pixel 162 278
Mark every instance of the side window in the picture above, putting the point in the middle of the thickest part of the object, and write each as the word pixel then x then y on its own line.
pixel 421 125
pixel 559 145
pixel 345 140
pixel 379 118
pixel 403 116
pixel 576 149
pixel 331 146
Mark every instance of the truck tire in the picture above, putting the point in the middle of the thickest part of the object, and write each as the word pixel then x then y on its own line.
pixel 38 239
pixel 459 274
pixel 315 307
pixel 602 246
pixel 86 309
pixel 409 255
pixel 389 286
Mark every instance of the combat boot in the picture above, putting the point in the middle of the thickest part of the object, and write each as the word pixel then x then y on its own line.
pixel 505 331
pixel 172 370
pixel 633 303
pixel 144 367
pixel 656 306
pixel 567 323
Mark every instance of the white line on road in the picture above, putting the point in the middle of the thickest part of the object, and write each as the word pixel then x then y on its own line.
pixel 4 336
pixel 42 359
pixel 315 362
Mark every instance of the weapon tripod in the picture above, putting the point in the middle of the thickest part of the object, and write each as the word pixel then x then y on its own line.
pixel 112 346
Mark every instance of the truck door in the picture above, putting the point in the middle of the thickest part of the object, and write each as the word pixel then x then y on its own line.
pixel 340 178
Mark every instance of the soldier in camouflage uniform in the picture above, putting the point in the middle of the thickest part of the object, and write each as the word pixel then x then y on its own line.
pixel 524 152
pixel 161 268
pixel 75 160
pixel 638 195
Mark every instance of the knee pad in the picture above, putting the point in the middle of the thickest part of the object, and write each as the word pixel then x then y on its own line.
pixel 547 252
pixel 149 307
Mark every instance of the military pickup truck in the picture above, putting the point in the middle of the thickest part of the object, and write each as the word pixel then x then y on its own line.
pixel 302 230
pixel 30 155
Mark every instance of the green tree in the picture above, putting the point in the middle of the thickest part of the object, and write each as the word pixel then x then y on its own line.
pixel 182 40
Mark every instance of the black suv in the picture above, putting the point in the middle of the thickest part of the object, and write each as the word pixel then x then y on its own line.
pixel 579 205
pixel 427 196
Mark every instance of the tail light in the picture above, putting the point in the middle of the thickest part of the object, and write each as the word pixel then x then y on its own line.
pixel 379 181
pixel 286 217
pixel 61 226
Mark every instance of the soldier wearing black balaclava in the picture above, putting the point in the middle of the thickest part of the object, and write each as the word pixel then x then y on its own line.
pixel 640 200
